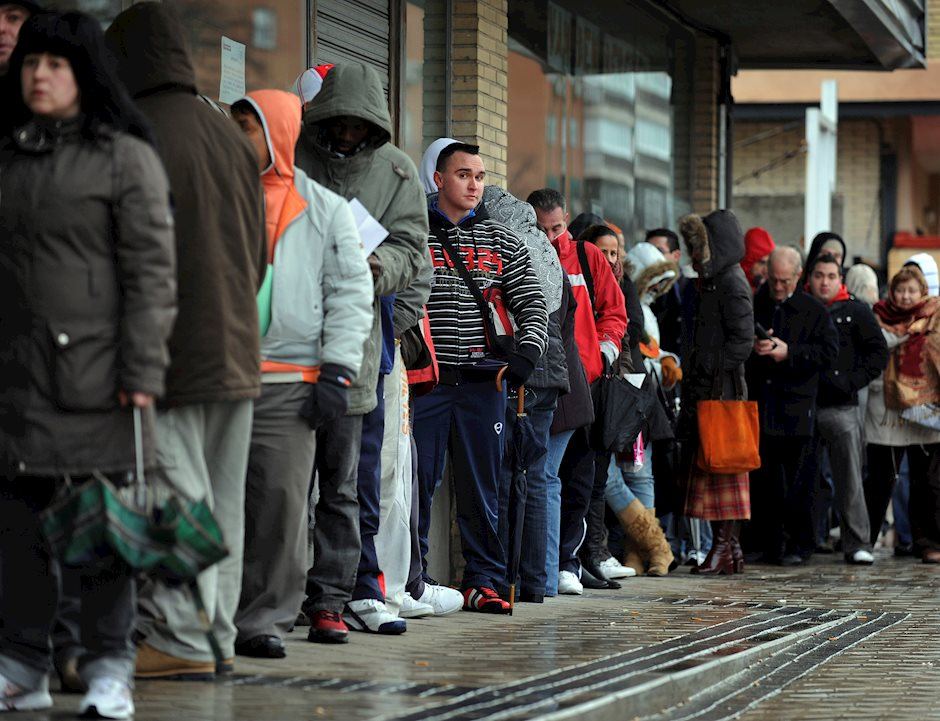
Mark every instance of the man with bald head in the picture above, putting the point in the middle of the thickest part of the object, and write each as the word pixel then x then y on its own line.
pixel 783 376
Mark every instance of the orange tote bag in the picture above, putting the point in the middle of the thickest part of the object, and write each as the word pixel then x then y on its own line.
pixel 729 434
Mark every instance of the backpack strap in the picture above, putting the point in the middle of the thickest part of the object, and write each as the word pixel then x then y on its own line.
pixel 586 271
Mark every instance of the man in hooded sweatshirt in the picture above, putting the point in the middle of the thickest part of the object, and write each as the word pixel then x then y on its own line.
pixel 758 245
pixel 345 145
pixel 482 273
pixel 316 313
pixel 204 425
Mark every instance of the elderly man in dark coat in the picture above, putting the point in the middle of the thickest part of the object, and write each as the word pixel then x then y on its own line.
pixel 784 375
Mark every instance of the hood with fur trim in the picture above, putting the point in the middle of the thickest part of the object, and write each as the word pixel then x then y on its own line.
pixel 715 242
pixel 647 268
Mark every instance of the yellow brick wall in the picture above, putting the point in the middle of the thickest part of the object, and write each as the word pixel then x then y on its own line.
pixel 704 166
pixel 480 62
pixel 933 30
pixel 857 175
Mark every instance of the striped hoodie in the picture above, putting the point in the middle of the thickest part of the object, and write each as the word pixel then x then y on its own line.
pixel 499 261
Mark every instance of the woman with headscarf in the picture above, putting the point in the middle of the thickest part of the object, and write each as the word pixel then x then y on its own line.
pixel 88 269
pixel 903 416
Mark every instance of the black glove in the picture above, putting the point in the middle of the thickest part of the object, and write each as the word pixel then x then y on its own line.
pixel 521 365
pixel 328 399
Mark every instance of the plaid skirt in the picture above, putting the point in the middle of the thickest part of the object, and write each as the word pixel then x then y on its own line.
pixel 714 497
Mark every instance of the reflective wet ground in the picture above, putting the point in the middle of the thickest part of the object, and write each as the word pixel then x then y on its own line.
pixel 826 641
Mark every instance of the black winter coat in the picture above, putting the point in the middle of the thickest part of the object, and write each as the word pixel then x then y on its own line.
pixel 863 354
pixel 576 407
pixel 786 391
pixel 724 323
pixel 87 277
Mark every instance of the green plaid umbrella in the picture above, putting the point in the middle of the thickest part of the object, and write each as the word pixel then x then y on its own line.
pixel 173 540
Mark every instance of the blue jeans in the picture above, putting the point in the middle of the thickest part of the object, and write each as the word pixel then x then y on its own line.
pixel 557 445
pixel 899 503
pixel 540 407
pixel 625 484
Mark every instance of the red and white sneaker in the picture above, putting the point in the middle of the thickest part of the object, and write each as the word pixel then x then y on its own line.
pixel 328 627
pixel 484 600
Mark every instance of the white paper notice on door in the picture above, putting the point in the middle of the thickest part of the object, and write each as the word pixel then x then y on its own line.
pixel 232 79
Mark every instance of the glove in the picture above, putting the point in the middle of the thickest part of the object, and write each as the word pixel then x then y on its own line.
pixel 521 365
pixel 609 352
pixel 672 373
pixel 328 399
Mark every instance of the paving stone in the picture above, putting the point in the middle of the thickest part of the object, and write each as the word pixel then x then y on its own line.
pixel 895 674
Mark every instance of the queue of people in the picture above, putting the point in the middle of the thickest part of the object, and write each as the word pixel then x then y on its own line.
pixel 213 283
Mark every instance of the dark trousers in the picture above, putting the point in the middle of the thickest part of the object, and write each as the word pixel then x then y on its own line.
pixel 782 497
pixel 30 582
pixel 595 548
pixel 415 585
pixel 368 576
pixel 336 544
pixel 577 485
pixel 468 419
pixel 924 466
pixel 540 408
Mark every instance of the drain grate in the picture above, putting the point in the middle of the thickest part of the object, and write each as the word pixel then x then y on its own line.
pixel 547 693
pixel 345 685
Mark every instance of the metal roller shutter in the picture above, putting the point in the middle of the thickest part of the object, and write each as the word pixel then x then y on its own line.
pixel 354 30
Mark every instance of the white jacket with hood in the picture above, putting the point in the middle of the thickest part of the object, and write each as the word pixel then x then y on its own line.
pixel 321 293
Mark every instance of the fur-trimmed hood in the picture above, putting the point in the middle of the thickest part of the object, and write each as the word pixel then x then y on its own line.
pixel 647 266
pixel 720 238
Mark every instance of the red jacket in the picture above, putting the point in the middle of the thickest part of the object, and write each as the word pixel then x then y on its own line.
pixel 607 321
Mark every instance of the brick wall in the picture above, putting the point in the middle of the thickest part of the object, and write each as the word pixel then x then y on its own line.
pixel 933 30
pixel 480 62
pixel 704 155
pixel 857 175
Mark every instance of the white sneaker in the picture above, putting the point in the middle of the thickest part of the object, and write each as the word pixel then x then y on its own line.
pixel 107 697
pixel 414 609
pixel 443 599
pixel 373 616
pixel 14 698
pixel 569 584
pixel 862 557
pixel 613 569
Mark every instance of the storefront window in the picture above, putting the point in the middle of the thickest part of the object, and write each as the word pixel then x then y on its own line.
pixel 274 33
pixel 424 86
pixel 593 111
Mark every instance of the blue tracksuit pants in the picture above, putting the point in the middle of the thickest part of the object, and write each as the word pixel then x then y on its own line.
pixel 468 420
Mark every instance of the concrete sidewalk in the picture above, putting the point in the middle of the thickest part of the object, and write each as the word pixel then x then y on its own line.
pixel 820 642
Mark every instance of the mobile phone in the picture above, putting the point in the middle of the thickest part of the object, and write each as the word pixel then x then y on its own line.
pixel 761 332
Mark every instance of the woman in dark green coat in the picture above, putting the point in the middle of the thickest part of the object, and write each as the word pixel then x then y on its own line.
pixel 87 275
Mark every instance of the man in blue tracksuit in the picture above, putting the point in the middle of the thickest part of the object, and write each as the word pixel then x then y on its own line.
pixel 466 412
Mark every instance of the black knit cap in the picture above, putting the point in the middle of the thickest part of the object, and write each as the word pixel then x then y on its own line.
pixel 32 7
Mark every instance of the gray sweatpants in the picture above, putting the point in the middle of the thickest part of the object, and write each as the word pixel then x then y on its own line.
pixel 203 450
pixel 280 463
pixel 841 433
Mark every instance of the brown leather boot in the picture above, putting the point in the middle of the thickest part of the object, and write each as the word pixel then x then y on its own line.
pixel 737 554
pixel 720 559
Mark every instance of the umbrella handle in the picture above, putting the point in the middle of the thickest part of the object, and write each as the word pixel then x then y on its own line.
pixel 520 403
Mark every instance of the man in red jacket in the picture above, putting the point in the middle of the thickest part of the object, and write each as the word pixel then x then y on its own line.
pixel 600 323
pixel 601 317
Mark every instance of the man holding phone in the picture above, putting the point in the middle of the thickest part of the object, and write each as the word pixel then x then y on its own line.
pixel 783 376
